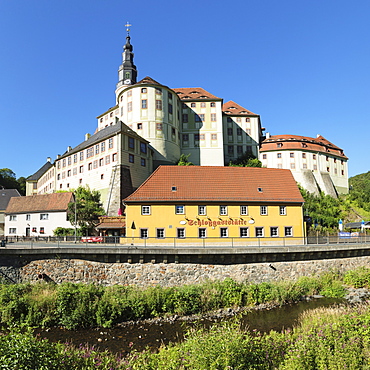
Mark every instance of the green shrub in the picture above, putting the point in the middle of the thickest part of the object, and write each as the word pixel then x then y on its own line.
pixel 358 278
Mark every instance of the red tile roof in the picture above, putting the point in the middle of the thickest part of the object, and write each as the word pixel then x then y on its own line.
pixel 295 142
pixel 39 203
pixel 235 109
pixel 194 93
pixel 148 80
pixel 217 184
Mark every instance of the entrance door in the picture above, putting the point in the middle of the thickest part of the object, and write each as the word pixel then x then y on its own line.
pixel 28 231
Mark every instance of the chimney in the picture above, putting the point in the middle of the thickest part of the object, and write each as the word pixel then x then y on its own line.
pixel 48 159
pixel 69 148
pixel 87 136
pixel 267 135
pixel 58 156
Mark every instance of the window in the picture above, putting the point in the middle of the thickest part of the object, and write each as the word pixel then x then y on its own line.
pixel 239 150
pixel 197 117
pixel 292 166
pixel 181 233
pixel 303 155
pixel 158 104
pixel 144 233
pixel 230 131
pixel 264 156
pixel 143 162
pixel 89 152
pixel 145 210
pixel 160 233
pixel 185 118
pixel 28 217
pixel 13 218
pixel 129 93
pixel 74 158
pixel 64 162
pixel 170 108
pixel 44 216
pixel 129 106
pixel 259 232
pixel 327 158
pixel 244 232
pixel 144 104
pixel 213 117
pixel 213 136
pixel 202 210
pixel 202 232
pixel 185 137
pixel 107 159
pixel 75 171
pixel 131 158
pixel 239 131
pixel 274 231
pixel 196 137
pixel 238 119
pixel 282 210
pixel 243 210
pixel 68 173
pixel 229 119
pixel 139 126
pixel 202 136
pixel 101 162
pixel 97 148
pixel 288 231
pixel 278 155
pixel 179 209
pixel 202 104
pixel 263 210
pixel 42 230
pixel 304 166
pixel 95 164
pixel 169 95
pixel 144 90
pixel 230 150
pixel 193 105
pixel 102 176
pixel 247 119
pixel 69 160
pixel 313 156
pixel 291 155
pixel 223 210
pixel 143 148
pixel 159 126
pixel 81 156
pixel 223 232
pixel 12 230
pixel 131 143
pixel 315 167
pixel 114 157
pixel 328 169
pixel 110 143
pixel 213 104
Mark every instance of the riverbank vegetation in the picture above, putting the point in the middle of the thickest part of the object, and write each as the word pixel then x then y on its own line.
pixel 326 338
pixel 80 305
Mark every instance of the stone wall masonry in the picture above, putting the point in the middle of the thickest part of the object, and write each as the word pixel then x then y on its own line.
pixel 173 274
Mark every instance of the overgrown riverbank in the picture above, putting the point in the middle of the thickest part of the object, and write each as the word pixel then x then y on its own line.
pixel 80 306
pixel 331 338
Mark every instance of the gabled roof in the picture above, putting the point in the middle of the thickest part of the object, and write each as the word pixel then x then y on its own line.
pixel 148 80
pixel 194 93
pixel 104 134
pixel 305 143
pixel 217 184
pixel 40 172
pixel 5 195
pixel 235 109
pixel 56 202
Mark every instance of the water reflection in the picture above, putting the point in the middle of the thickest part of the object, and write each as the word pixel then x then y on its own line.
pixel 140 336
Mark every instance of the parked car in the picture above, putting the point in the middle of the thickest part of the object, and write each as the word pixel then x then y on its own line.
pixel 92 239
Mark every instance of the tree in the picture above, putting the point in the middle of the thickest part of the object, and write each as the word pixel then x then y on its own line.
pixel 87 208
pixel 246 160
pixel 184 160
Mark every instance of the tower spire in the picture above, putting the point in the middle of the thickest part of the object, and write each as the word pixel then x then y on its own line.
pixel 127 72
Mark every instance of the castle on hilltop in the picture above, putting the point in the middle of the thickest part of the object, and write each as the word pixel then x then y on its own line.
pixel 152 124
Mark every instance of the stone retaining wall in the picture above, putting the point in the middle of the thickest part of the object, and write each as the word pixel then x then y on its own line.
pixel 172 274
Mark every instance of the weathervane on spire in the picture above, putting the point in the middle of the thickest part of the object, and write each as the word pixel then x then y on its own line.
pixel 128 25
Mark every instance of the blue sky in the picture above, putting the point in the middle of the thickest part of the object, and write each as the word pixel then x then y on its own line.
pixel 302 65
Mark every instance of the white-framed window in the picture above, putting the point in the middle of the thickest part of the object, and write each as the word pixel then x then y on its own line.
pixel 13 218
pixel 288 231
pixel 44 216
pixel 244 232
pixel 224 233
pixel 243 210
pixel 282 210
pixel 181 233
pixel 202 210
pixel 223 210
pixel 259 232
pixel 263 210
pixel 202 232
pixel 144 233
pixel 28 217
pixel 145 210
pixel 12 230
pixel 160 233
pixel 274 231
pixel 179 209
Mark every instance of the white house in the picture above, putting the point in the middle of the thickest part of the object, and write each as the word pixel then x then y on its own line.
pixel 37 215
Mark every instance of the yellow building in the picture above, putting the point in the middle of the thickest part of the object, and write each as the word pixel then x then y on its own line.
pixel 200 206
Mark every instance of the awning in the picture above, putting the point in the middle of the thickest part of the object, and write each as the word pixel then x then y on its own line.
pixel 113 225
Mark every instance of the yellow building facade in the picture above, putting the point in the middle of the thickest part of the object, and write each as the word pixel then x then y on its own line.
pixel 204 206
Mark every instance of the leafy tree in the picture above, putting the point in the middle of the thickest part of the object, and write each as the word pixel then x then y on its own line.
pixel 246 160
pixel 184 160
pixel 360 190
pixel 88 208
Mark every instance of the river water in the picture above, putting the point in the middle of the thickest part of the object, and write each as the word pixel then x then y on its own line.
pixel 139 336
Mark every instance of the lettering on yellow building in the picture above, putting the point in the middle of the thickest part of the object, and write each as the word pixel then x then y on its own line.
pixel 211 223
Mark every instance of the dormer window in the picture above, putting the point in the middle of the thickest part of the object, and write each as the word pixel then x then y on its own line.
pixel 279 145
pixel 259 190
pixel 173 188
